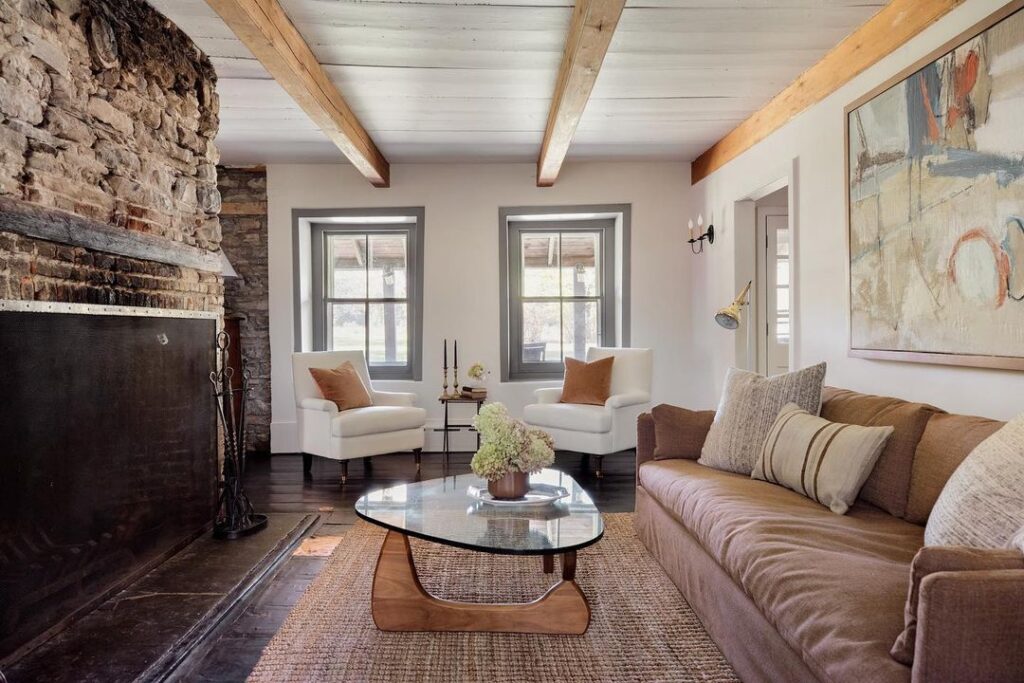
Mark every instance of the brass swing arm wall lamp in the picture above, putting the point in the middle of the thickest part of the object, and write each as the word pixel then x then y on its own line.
pixel 730 316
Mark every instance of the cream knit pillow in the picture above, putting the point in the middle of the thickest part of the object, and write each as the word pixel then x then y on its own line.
pixel 982 504
pixel 826 461
pixel 750 403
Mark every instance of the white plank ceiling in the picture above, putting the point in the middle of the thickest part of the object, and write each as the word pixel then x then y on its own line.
pixel 443 81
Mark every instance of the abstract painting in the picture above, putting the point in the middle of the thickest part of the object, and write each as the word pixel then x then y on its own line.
pixel 936 205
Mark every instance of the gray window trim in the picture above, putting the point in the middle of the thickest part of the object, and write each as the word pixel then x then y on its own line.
pixel 511 225
pixel 315 220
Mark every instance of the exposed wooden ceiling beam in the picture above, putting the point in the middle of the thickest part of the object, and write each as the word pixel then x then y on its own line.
pixel 890 28
pixel 590 33
pixel 266 30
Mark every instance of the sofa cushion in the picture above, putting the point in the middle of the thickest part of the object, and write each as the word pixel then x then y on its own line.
pixel 888 487
pixel 573 417
pixel 834 586
pixel 946 442
pixel 680 433
pixel 377 420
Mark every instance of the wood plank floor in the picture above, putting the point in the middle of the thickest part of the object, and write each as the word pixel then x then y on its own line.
pixel 276 484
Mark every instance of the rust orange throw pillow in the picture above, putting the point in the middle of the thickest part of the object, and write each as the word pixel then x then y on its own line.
pixel 342 385
pixel 589 383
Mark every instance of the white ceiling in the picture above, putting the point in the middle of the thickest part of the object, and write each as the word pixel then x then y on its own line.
pixel 442 81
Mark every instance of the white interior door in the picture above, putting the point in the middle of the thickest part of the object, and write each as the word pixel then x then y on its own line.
pixel 774 294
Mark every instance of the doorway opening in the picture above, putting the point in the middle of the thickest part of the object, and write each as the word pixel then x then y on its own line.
pixel 765 256
pixel 771 307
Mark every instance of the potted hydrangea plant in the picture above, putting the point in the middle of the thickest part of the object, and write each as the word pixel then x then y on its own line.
pixel 509 452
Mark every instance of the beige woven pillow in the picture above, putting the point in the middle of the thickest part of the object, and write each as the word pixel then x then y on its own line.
pixel 826 461
pixel 750 403
pixel 982 504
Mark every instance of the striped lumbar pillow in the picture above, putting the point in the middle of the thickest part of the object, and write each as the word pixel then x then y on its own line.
pixel 826 461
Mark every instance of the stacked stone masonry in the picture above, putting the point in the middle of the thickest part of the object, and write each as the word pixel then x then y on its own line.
pixel 109 112
pixel 244 226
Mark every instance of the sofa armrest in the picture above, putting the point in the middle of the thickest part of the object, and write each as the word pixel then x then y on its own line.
pixel 631 398
pixel 320 404
pixel 393 398
pixel 644 439
pixel 969 627
pixel 548 395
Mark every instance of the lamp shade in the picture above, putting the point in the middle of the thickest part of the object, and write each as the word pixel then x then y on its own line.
pixel 729 317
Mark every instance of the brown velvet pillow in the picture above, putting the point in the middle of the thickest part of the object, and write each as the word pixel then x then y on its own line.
pixel 678 432
pixel 888 486
pixel 343 386
pixel 945 443
pixel 589 383
pixel 933 559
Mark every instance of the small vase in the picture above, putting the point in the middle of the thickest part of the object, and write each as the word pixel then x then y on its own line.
pixel 510 487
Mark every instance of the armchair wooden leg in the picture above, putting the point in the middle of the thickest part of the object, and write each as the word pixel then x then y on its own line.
pixel 598 473
pixel 418 455
pixel 344 472
pixel 307 465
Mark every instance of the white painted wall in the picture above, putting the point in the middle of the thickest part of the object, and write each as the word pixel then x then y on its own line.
pixel 461 231
pixel 815 141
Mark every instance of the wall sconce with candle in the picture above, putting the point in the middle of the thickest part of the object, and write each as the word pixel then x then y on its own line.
pixel 699 234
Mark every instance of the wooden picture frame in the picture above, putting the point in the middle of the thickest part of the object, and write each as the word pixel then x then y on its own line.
pixel 967 359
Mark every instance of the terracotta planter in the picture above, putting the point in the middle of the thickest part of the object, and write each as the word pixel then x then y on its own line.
pixel 511 486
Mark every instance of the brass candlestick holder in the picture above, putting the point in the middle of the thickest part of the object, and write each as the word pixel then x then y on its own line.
pixel 444 387
pixel 456 384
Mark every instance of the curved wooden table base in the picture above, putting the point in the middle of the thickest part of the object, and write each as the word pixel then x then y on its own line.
pixel 399 602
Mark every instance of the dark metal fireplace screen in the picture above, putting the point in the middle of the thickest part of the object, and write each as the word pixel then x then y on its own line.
pixel 107 453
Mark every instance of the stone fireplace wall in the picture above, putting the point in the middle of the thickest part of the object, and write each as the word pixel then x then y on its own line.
pixel 107 114
pixel 108 195
pixel 244 224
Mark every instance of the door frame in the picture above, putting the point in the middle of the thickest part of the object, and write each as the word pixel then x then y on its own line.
pixel 785 175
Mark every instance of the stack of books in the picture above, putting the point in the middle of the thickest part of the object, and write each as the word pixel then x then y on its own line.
pixel 474 392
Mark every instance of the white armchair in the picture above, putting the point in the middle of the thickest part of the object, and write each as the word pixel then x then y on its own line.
pixel 598 430
pixel 393 423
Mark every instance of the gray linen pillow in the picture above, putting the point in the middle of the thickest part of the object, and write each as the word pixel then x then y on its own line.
pixel 750 403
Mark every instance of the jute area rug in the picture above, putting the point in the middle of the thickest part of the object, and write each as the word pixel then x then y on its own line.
pixel 641 628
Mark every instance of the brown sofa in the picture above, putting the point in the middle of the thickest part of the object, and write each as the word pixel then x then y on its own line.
pixel 793 592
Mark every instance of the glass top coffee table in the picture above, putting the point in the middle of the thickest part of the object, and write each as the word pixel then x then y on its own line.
pixel 442 511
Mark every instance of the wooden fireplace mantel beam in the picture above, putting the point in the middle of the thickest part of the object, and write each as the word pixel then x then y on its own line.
pixel 268 32
pixel 590 34
pixel 890 28
pixel 54 225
